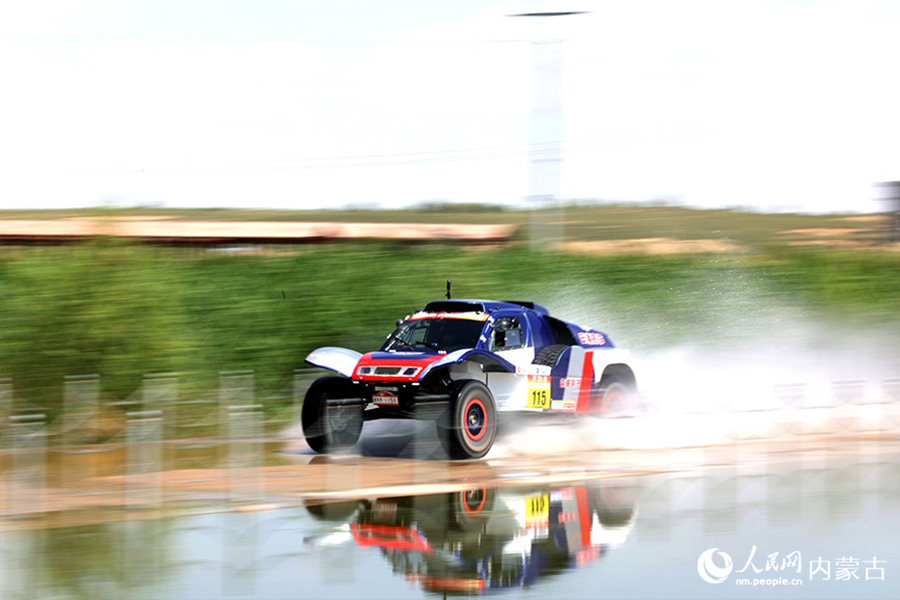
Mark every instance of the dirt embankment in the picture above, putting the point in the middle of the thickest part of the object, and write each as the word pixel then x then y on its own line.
pixel 164 230
pixel 659 246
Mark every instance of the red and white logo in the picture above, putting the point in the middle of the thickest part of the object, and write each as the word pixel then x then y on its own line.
pixel 587 338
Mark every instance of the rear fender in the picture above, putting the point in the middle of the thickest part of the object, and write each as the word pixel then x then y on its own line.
pixel 340 360
pixel 615 358
pixel 577 371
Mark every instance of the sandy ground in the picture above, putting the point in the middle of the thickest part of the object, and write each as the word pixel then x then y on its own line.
pixel 865 219
pixel 653 246
pixel 825 232
pixel 162 229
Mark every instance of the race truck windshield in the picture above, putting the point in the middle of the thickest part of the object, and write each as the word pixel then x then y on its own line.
pixel 441 334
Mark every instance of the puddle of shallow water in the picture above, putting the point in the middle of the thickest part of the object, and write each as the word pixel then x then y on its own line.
pixel 638 537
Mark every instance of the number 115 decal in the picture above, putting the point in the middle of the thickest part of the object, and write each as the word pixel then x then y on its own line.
pixel 538 392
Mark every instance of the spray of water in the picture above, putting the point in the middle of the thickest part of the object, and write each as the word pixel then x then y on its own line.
pixel 754 365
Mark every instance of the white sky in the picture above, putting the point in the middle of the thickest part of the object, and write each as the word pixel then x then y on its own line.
pixel 781 104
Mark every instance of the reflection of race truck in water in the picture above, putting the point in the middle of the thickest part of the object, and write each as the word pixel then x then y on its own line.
pixel 486 539
pixel 459 363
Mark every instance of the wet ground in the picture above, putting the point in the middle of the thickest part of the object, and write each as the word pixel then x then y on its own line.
pixel 804 514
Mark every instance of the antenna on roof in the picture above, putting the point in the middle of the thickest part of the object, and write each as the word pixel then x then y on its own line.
pixel 448 288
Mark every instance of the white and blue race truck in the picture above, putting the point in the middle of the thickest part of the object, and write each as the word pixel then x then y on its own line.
pixel 459 363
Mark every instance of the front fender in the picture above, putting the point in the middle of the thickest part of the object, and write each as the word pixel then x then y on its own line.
pixel 488 360
pixel 339 360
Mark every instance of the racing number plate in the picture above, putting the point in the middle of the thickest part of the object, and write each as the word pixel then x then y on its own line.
pixel 386 397
pixel 537 510
pixel 538 392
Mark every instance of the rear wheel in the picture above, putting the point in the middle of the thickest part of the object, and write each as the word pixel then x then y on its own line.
pixel 331 414
pixel 614 396
pixel 472 425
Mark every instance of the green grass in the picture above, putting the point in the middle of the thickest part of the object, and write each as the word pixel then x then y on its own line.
pixel 122 310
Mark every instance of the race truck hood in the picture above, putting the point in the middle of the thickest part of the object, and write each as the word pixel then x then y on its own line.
pixel 394 366
pixel 399 366
pixel 413 366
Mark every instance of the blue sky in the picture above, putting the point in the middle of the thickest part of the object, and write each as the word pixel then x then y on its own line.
pixel 786 105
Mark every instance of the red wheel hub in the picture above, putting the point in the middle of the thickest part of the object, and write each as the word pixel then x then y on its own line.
pixel 474 419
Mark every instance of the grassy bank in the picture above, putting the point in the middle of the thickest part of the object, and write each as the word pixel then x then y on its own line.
pixel 121 310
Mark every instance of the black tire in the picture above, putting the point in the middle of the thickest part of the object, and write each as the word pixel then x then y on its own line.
pixel 328 427
pixel 471 507
pixel 549 356
pixel 334 512
pixel 470 430
pixel 614 504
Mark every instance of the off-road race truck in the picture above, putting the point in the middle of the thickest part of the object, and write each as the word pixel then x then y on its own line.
pixel 459 363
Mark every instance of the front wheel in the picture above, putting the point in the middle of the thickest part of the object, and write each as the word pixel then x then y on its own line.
pixel 472 424
pixel 332 414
